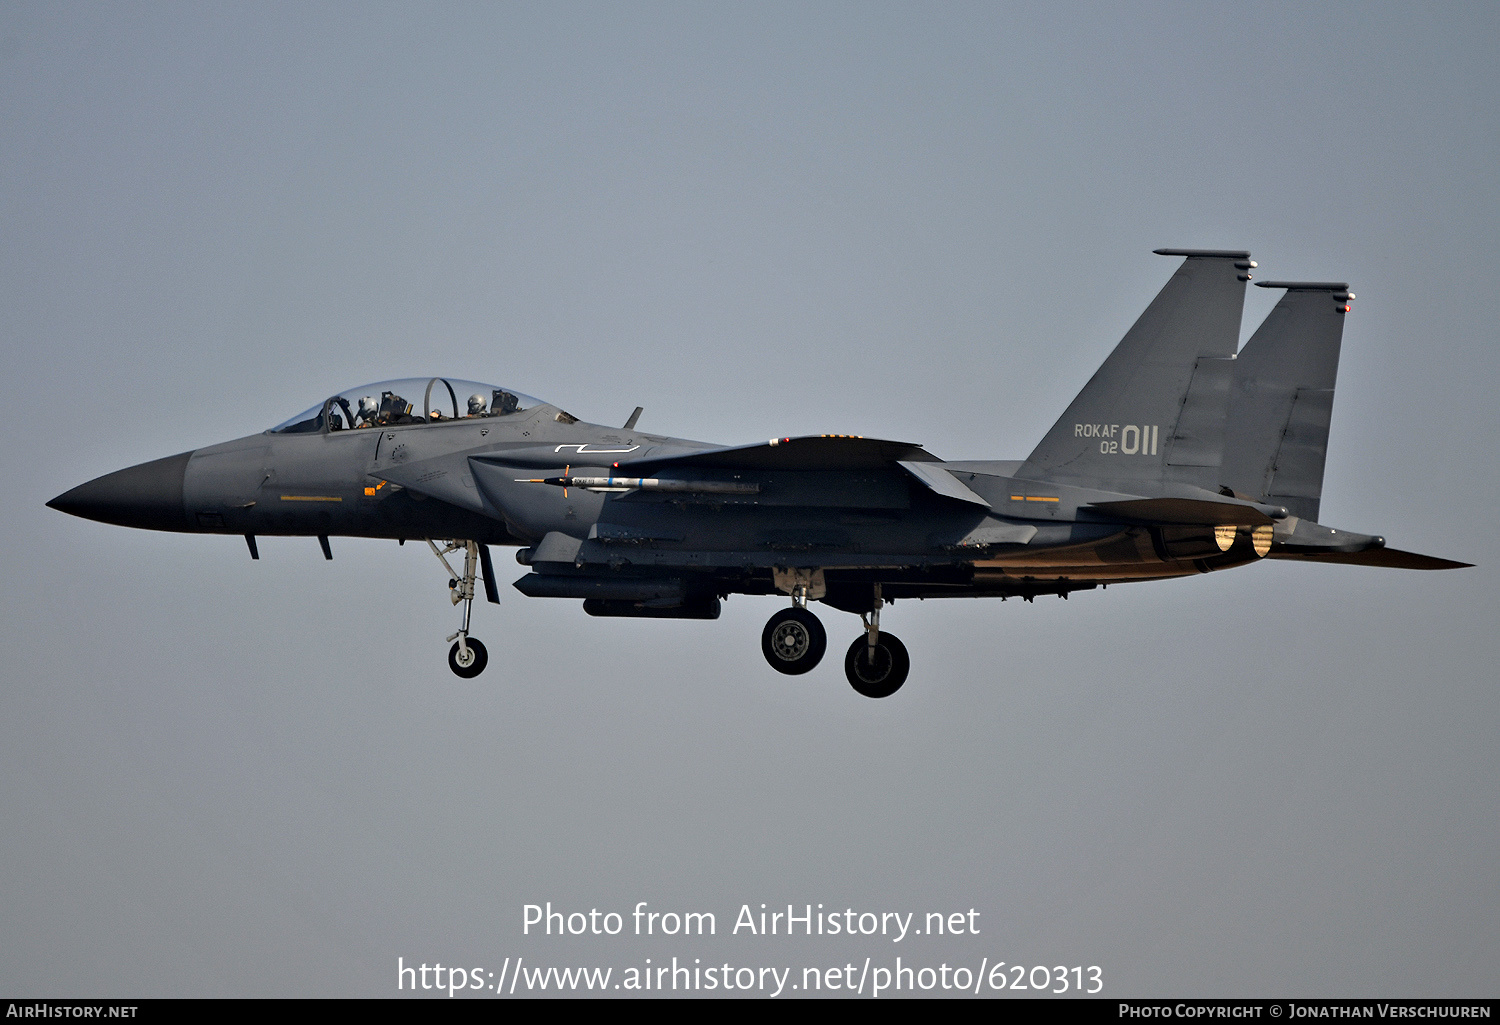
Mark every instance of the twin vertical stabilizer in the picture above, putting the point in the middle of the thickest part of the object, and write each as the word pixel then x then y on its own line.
pixel 1174 404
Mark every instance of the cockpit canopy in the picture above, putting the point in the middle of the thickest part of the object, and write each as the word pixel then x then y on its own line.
pixel 412 400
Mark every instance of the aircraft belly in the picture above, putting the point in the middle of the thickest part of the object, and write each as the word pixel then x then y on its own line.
pixel 1129 547
pixel 1085 574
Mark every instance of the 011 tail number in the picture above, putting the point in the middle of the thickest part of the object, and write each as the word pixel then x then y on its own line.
pixel 1129 440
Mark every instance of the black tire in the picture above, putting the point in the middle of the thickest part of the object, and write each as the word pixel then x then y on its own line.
pixel 793 641
pixel 481 658
pixel 886 674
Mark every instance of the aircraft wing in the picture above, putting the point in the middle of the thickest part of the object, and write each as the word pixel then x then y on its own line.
pixel 821 452
pixel 810 452
pixel 1390 558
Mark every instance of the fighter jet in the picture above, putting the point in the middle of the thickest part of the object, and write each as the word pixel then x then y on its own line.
pixel 1180 456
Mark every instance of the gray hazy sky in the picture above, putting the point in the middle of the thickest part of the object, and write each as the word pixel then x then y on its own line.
pixel 923 222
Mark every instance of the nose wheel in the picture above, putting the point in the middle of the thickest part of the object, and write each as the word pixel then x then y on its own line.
pixel 793 641
pixel 467 658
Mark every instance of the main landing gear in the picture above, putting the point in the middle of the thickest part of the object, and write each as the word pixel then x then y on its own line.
pixel 794 642
pixel 877 663
pixel 468 657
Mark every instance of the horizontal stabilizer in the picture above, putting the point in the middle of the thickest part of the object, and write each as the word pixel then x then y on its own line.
pixel 1387 557
pixel 812 452
pixel 1186 511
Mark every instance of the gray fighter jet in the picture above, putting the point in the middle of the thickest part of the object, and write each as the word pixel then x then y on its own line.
pixel 1179 457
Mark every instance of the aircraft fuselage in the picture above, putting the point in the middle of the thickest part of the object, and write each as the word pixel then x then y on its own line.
pixel 1181 456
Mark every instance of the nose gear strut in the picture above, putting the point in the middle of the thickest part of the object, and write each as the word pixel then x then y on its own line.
pixel 468 657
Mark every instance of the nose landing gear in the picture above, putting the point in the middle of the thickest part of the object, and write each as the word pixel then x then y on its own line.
pixel 468 657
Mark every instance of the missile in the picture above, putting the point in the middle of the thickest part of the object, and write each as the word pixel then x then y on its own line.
pixel 706 487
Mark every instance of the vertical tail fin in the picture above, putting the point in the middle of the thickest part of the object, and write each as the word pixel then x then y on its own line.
pixel 1282 398
pixel 1155 410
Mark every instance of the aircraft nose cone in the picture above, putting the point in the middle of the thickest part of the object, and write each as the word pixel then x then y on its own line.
pixel 147 496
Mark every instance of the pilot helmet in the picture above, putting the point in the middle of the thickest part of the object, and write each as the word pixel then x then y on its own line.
pixel 476 404
pixel 369 406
